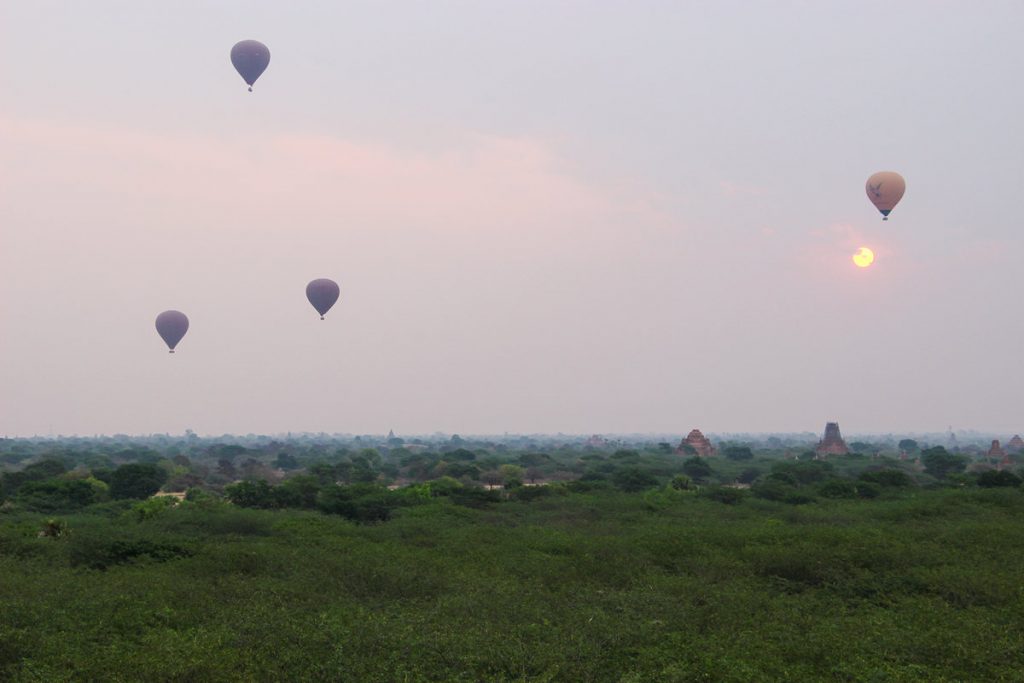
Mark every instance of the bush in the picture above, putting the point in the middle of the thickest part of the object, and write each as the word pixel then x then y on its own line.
pixel 867 489
pixel 106 554
pixel 633 479
pixel 697 467
pixel 725 494
pixel 772 488
pixel 251 494
pixel 891 478
pixel 364 503
pixel 586 485
pixel 137 480
pixel 940 463
pixel 798 498
pixel 528 493
pixel 810 472
pixel 56 495
pixel 681 482
pixel 997 478
pixel 838 488
pixel 738 453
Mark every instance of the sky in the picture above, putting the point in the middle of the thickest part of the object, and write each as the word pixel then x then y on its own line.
pixel 579 217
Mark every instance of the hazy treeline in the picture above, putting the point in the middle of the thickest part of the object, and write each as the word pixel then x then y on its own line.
pixel 366 480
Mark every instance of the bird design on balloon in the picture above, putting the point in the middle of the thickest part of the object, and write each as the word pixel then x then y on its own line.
pixel 885 190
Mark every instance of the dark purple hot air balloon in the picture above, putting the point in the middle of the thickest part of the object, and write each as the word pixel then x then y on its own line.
pixel 250 58
pixel 322 294
pixel 172 326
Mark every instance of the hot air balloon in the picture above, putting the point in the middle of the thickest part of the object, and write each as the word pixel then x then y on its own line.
pixel 171 326
pixel 322 294
pixel 250 58
pixel 885 189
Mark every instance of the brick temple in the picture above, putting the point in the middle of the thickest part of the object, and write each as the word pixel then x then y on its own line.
pixel 1015 445
pixel 698 442
pixel 831 443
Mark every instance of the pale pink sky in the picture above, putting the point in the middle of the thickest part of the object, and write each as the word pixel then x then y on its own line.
pixel 576 217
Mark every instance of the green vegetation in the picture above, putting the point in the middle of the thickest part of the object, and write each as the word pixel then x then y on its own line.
pixel 634 565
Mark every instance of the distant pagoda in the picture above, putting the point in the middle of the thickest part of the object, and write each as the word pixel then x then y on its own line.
pixel 996 451
pixel 832 443
pixel 698 442
pixel 1015 445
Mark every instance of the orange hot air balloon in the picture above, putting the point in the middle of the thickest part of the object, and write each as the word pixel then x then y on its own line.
pixel 885 189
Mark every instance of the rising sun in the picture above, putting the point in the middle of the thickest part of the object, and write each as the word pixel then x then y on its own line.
pixel 864 257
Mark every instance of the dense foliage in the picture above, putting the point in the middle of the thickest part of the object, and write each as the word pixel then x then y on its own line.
pixel 626 564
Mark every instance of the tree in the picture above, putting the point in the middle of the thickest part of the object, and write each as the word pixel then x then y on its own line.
pixel 994 478
pixel 726 495
pixel 534 459
pixel 325 473
pixel 626 454
pixel 510 473
pixel 286 461
pixel 460 454
pixel 940 463
pixel 681 482
pixel 226 468
pixel 633 479
pixel 802 472
pixel 136 480
pixel 697 467
pixel 458 470
pixel 56 494
pixel 888 477
pixel 838 488
pixel 251 494
pixel 297 492
pixel 738 453
pixel 908 445
pixel 491 477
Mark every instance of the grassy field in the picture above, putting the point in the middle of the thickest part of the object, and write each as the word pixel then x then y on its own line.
pixel 605 586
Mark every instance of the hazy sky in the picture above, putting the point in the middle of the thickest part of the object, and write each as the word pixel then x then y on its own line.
pixel 544 216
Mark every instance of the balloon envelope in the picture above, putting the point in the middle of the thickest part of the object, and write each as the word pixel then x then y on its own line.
pixel 322 294
pixel 171 326
pixel 250 58
pixel 885 189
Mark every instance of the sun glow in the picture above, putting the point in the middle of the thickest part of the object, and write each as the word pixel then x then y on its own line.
pixel 864 257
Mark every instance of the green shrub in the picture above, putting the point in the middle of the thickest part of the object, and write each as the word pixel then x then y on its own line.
pixel 838 488
pixel 725 494
pixel 53 495
pixel 137 480
pixel 888 477
pixel 105 554
pixel 998 478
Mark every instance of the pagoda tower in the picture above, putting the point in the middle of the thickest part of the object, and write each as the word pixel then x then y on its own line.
pixel 831 443
pixel 698 442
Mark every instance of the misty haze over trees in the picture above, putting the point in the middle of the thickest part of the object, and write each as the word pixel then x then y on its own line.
pixel 510 558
